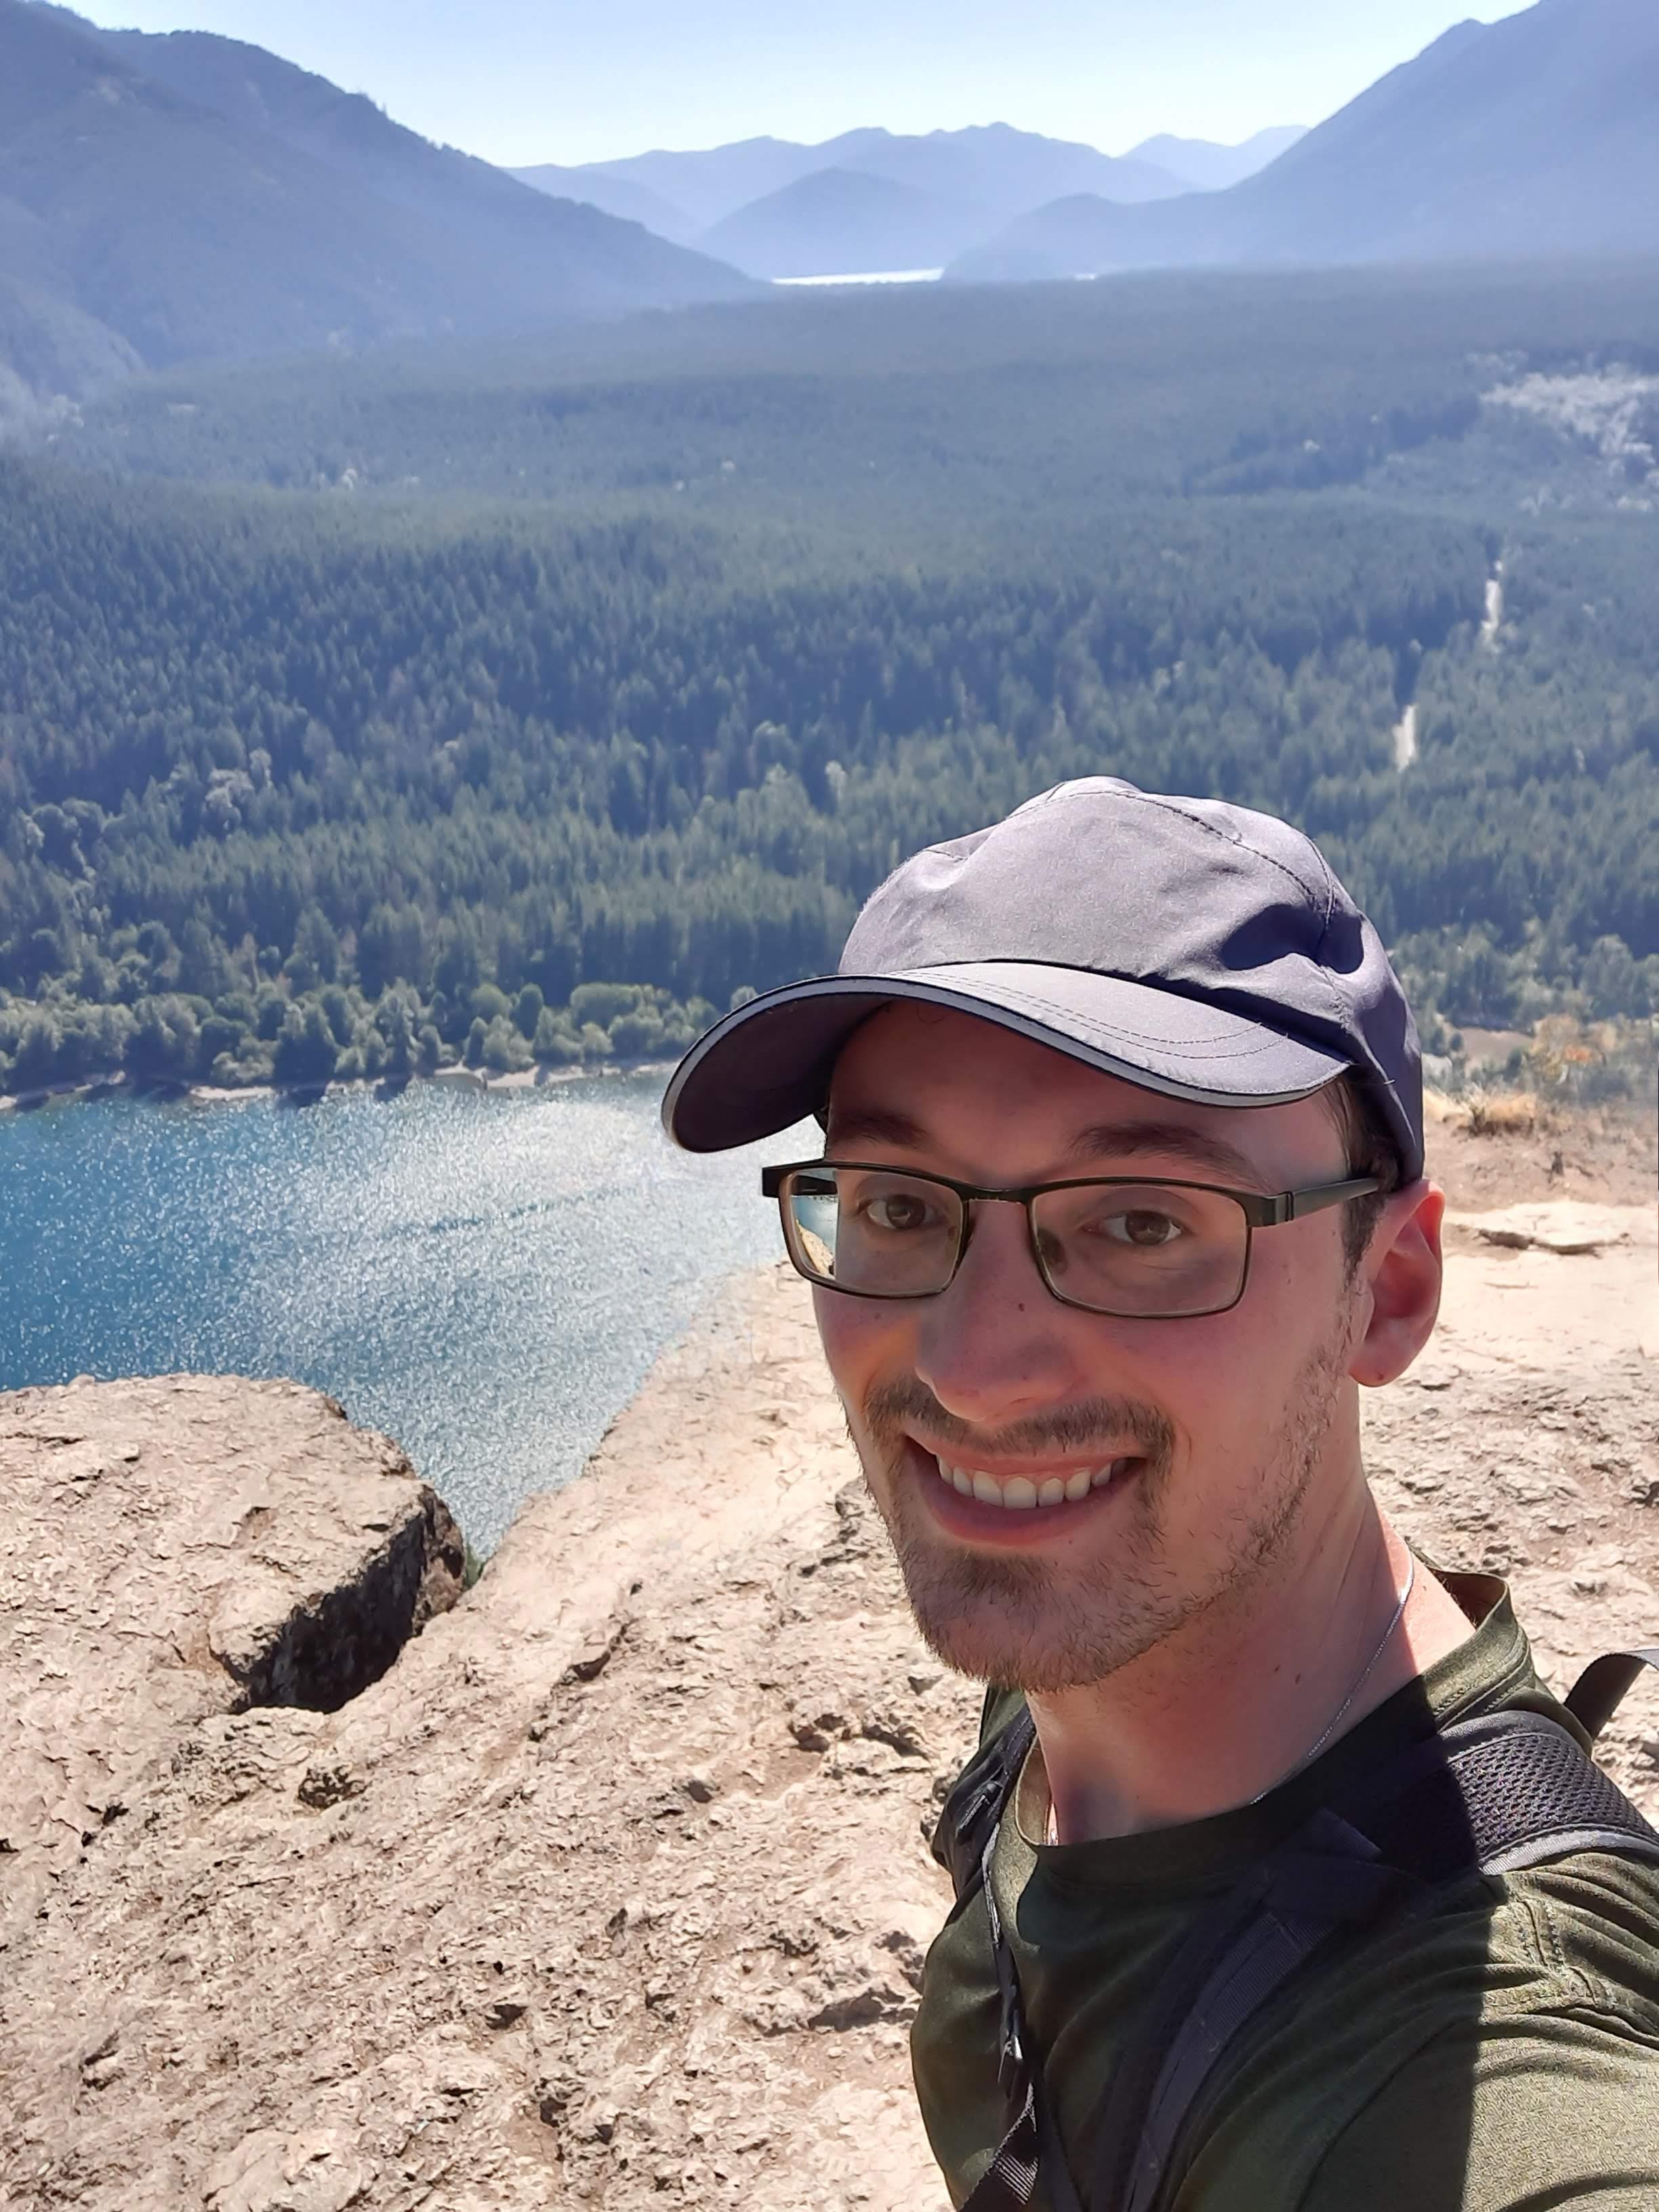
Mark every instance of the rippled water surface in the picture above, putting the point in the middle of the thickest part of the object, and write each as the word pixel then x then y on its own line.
pixel 487 1278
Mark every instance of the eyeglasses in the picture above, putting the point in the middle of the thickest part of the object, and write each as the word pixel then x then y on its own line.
pixel 1114 1244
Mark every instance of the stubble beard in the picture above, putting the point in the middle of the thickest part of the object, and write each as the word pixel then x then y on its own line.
pixel 1031 1625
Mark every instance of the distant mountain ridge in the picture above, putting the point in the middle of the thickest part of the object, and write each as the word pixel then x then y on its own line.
pixel 1533 137
pixel 834 223
pixel 991 165
pixel 1207 167
pixel 168 199
pixel 624 197
pixel 753 201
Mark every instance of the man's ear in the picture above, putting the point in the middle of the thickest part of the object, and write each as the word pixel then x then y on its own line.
pixel 1400 1280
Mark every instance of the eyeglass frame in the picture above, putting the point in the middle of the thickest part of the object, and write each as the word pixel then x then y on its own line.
pixel 1260 1210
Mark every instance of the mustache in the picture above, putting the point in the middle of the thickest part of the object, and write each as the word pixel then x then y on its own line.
pixel 890 1408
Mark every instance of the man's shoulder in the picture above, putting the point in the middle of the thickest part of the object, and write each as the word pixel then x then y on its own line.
pixel 1578 1933
pixel 1588 1923
pixel 1463 2058
pixel 1499 1962
pixel 1497 1997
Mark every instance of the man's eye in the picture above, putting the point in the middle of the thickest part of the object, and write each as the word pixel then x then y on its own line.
pixel 899 1211
pixel 1145 1230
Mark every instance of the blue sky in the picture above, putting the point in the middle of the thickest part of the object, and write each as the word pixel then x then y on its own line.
pixel 522 81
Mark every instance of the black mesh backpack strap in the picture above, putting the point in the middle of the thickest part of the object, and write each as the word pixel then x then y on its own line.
pixel 1498 1794
pixel 1494 1795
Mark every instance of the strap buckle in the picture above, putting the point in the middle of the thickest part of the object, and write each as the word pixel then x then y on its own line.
pixel 1012 2072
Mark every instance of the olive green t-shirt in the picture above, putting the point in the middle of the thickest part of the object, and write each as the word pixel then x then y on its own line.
pixel 1502 2056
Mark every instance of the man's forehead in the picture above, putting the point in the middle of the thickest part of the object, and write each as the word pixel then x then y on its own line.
pixel 1088 1145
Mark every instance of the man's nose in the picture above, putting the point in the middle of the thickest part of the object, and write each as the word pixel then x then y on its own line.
pixel 996 1344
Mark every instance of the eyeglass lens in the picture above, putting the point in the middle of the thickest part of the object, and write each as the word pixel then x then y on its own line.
pixel 1134 1249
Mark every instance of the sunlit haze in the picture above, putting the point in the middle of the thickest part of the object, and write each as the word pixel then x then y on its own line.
pixel 518 84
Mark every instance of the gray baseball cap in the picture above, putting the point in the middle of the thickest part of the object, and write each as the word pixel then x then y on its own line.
pixel 1191 947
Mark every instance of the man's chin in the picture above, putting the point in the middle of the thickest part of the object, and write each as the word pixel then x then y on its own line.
pixel 978 1628
pixel 1013 1621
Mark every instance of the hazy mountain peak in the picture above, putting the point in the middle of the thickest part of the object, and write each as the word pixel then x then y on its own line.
pixel 993 166
pixel 1207 167
pixel 188 195
pixel 838 221
pixel 1533 137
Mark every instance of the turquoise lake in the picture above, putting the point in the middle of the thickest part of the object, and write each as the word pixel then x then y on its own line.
pixel 487 1278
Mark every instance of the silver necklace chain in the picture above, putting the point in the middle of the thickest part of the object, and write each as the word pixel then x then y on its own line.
pixel 1364 1676
pixel 1336 1718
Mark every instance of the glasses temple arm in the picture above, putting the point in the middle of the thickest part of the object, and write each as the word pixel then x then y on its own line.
pixel 1296 1203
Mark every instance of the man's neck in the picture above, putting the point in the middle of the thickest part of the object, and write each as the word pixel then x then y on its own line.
pixel 1233 1703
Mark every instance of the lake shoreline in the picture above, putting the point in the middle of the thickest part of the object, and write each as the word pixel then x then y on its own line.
pixel 384 1088
pixel 488 1279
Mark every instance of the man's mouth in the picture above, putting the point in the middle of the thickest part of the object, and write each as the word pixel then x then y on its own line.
pixel 1036 1491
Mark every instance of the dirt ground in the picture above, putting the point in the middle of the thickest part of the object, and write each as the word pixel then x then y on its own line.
pixel 1606 1155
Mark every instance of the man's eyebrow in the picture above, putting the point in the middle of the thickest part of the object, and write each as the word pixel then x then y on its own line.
pixel 1115 1141
pixel 850 1125
pixel 1123 1140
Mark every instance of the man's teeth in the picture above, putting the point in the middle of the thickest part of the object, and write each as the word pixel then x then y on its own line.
pixel 1018 1493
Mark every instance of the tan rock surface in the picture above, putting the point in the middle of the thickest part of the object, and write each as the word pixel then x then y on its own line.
pixel 177 1549
pixel 613 1891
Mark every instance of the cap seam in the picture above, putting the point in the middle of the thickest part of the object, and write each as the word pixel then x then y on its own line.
pixel 1332 997
pixel 1198 821
pixel 1330 890
pixel 1067 1017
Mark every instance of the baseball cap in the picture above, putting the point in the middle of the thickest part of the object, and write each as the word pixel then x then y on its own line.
pixel 1194 948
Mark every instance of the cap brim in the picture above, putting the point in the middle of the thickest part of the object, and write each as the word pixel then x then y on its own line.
pixel 768 1065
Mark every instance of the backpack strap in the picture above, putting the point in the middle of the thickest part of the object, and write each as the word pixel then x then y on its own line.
pixel 1497 1795
pixel 1600 1691
pixel 1032 2146
pixel 1492 1796
pixel 972 1811
pixel 963 1842
pixel 1231 1962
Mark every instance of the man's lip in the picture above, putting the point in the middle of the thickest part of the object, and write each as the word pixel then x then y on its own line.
pixel 1035 1470
pixel 1002 1527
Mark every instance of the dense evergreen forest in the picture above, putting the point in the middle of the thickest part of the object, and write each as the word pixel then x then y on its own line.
pixel 539 704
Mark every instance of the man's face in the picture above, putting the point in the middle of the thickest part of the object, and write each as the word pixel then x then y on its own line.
pixel 1205 1443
